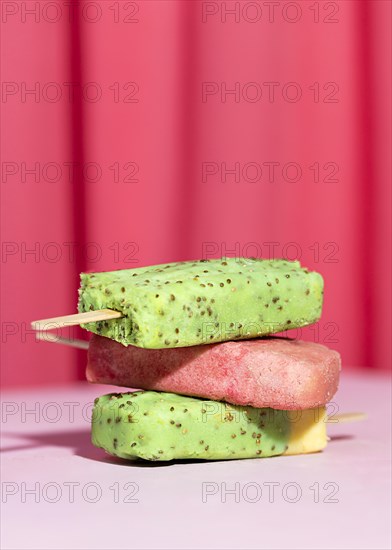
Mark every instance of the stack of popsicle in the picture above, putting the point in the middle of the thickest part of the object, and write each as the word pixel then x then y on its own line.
pixel 193 335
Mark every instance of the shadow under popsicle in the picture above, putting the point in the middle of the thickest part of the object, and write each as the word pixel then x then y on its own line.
pixel 79 441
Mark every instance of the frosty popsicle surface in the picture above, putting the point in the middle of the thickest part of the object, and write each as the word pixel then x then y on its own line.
pixel 163 426
pixel 264 372
pixel 192 303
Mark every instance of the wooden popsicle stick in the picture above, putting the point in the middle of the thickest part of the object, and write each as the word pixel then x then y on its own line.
pixel 76 319
pixel 346 417
pixel 75 343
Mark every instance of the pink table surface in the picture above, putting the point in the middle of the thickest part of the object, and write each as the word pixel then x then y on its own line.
pixel 83 499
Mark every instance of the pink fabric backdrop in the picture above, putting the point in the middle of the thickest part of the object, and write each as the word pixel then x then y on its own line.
pixel 194 130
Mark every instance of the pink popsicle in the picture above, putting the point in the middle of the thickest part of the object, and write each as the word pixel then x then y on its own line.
pixel 275 372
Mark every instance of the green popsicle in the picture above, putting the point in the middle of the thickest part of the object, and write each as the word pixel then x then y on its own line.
pixel 200 302
pixel 165 426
